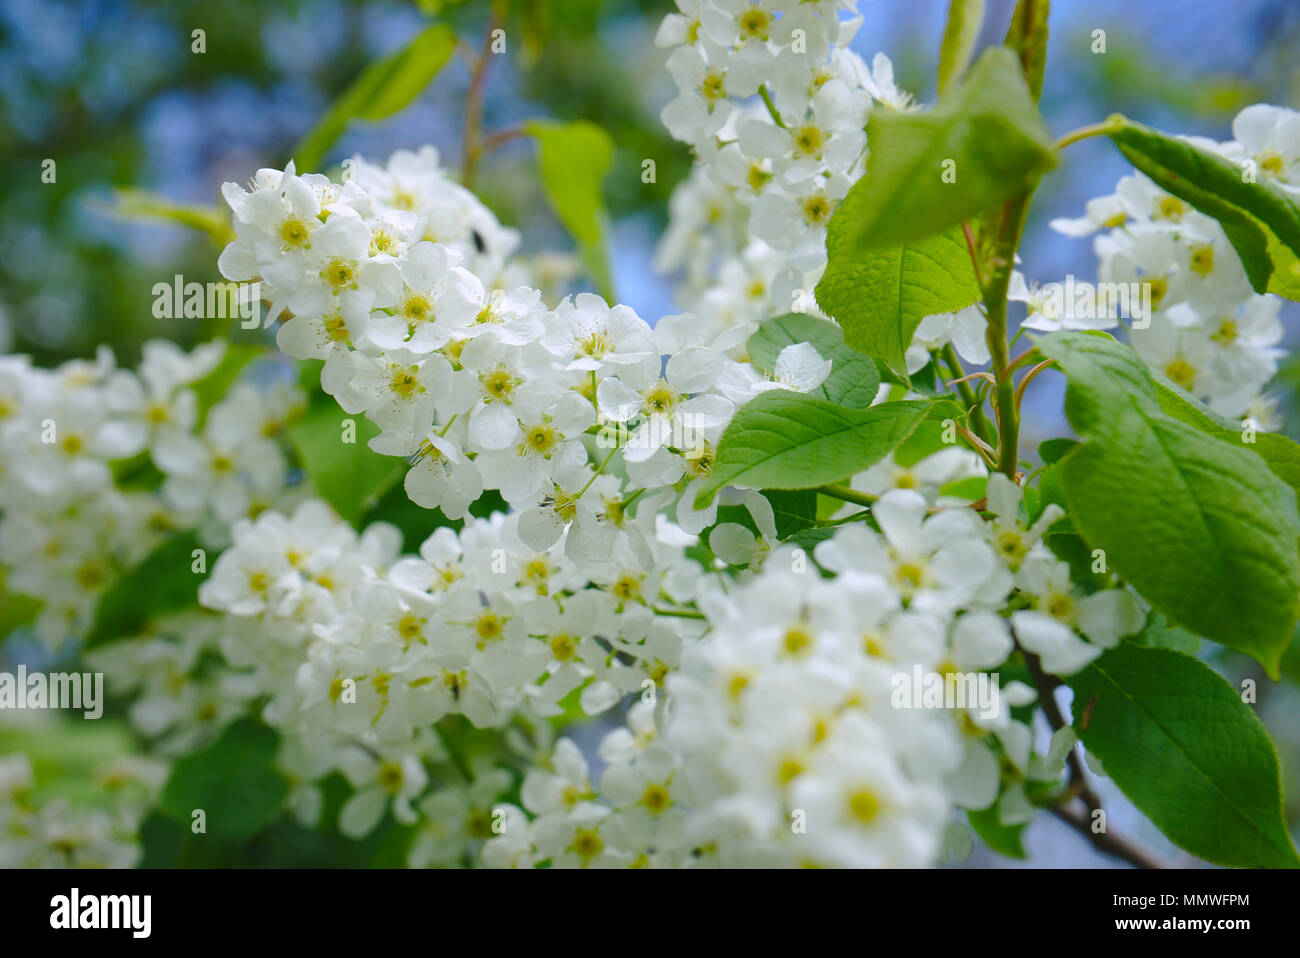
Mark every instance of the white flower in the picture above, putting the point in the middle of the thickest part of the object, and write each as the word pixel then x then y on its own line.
pixel 1049 628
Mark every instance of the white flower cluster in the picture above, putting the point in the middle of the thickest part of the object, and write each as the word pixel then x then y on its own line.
pixel 774 105
pixel 74 442
pixel 781 743
pixel 59 834
pixel 1209 332
pixel 351 642
pixel 484 388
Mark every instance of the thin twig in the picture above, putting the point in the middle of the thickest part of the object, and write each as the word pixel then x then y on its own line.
pixel 474 108
pixel 1046 686
pixel 1108 843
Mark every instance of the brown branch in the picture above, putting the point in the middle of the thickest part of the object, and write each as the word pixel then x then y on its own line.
pixel 1108 843
pixel 470 146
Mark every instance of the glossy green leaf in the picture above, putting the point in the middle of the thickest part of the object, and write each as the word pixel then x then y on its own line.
pixel 986 134
pixel 1180 743
pixel 383 88
pixel 786 440
pixel 854 379
pixel 164 582
pixel 350 476
pixel 574 158
pixel 880 296
pixel 959 35
pixel 1200 526
pixel 232 780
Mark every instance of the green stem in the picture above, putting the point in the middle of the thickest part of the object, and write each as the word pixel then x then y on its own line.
pixel 1103 128
pixel 979 423
pixel 771 107
pixel 679 613
pixel 596 473
pixel 1005 241
pixel 830 523
pixel 837 491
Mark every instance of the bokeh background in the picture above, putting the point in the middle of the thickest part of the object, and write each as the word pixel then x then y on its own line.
pixel 110 90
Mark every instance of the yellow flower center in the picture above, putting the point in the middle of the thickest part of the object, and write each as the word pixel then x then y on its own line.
pixel 587 844
pixel 754 23
pixel 595 344
pixel 1159 287
pixel 1012 546
pixel 489 627
pixel 1226 334
pixel 499 384
pixel 409 626
pixel 540 439
pixel 816 209
pixel 390 777
pixel 1270 163
pixel 655 798
pixel 1182 373
pixel 864 805
pixel 340 274
pixel 417 308
pixel 1060 606
pixel 1171 208
pixel 796 640
pixel 563 647
pixel 294 233
pixel 789 769
pixel 336 329
pixel 808 140
pixel 660 400
pixel 404 381
pixel 1203 260
pixel 626 587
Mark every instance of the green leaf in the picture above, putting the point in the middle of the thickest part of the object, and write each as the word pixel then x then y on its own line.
pixel 1159 634
pixel 1051 493
pixel 1279 453
pixel 1285 280
pixel 854 379
pixel 1201 527
pixel 880 296
pixel 164 582
pixel 134 204
pixel 794 510
pixel 65 754
pixel 988 127
pixel 1008 840
pixel 786 440
pixel 382 89
pixel 349 476
pixel 1179 742
pixel 1259 218
pixel 963 27
pixel 574 158
pixel 16 610
pixel 1050 450
pixel 1027 35
pixel 232 780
